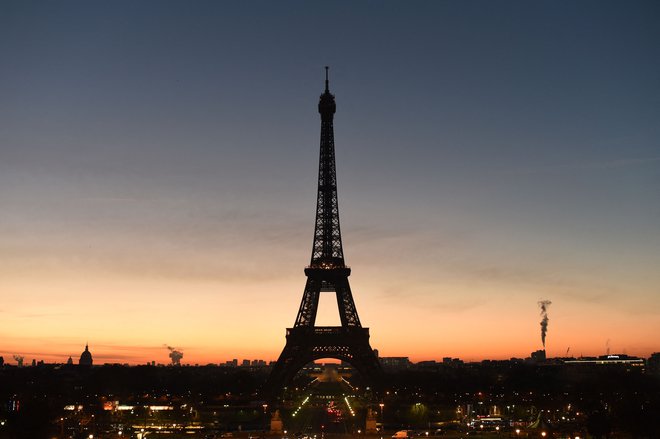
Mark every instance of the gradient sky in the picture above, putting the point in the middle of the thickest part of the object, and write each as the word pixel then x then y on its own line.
pixel 158 166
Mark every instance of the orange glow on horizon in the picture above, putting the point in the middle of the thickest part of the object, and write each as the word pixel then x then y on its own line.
pixel 128 316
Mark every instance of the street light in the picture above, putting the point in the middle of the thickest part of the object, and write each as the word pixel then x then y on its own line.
pixel 265 406
pixel 382 419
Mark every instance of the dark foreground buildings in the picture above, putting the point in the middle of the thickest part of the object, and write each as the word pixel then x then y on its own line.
pixel 559 398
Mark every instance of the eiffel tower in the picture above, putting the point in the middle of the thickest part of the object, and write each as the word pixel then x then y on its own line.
pixel 327 272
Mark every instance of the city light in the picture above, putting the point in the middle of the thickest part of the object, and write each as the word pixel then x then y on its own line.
pixel 299 407
pixel 348 404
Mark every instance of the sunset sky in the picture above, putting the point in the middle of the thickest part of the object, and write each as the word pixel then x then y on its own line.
pixel 158 166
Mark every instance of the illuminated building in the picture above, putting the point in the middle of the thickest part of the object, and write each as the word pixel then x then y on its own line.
pixel 609 360
pixel 395 362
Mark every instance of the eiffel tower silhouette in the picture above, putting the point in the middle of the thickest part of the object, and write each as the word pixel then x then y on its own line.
pixel 327 272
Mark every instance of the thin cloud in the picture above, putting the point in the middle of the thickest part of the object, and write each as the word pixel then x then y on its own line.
pixel 432 297
pixel 596 165
pixel 43 315
pixel 526 279
pixel 620 163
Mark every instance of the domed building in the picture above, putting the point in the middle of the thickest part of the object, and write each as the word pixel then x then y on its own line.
pixel 86 357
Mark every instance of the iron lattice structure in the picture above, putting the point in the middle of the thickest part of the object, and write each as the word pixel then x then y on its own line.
pixel 326 272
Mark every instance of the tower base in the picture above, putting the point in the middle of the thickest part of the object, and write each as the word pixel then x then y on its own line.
pixel 307 344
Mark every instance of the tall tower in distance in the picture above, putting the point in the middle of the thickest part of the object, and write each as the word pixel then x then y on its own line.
pixel 327 272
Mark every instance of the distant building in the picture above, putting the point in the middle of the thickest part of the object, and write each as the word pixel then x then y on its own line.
pixel 653 363
pixel 428 364
pixel 69 361
pixel 448 361
pixel 538 356
pixel 609 360
pixel 86 357
pixel 395 363
pixel 2 361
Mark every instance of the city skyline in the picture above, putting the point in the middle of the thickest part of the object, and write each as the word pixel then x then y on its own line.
pixel 159 161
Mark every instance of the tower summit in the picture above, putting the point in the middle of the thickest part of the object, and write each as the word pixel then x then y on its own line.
pixel 327 249
pixel 327 272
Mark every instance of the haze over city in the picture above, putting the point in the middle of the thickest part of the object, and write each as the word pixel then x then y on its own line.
pixel 158 171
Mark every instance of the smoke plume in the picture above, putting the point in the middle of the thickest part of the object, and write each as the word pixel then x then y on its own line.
pixel 544 304
pixel 175 355
pixel 19 360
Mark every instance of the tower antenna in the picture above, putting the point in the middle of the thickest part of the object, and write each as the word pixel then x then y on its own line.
pixel 327 89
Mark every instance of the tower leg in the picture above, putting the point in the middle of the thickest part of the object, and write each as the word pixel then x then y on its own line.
pixel 305 345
